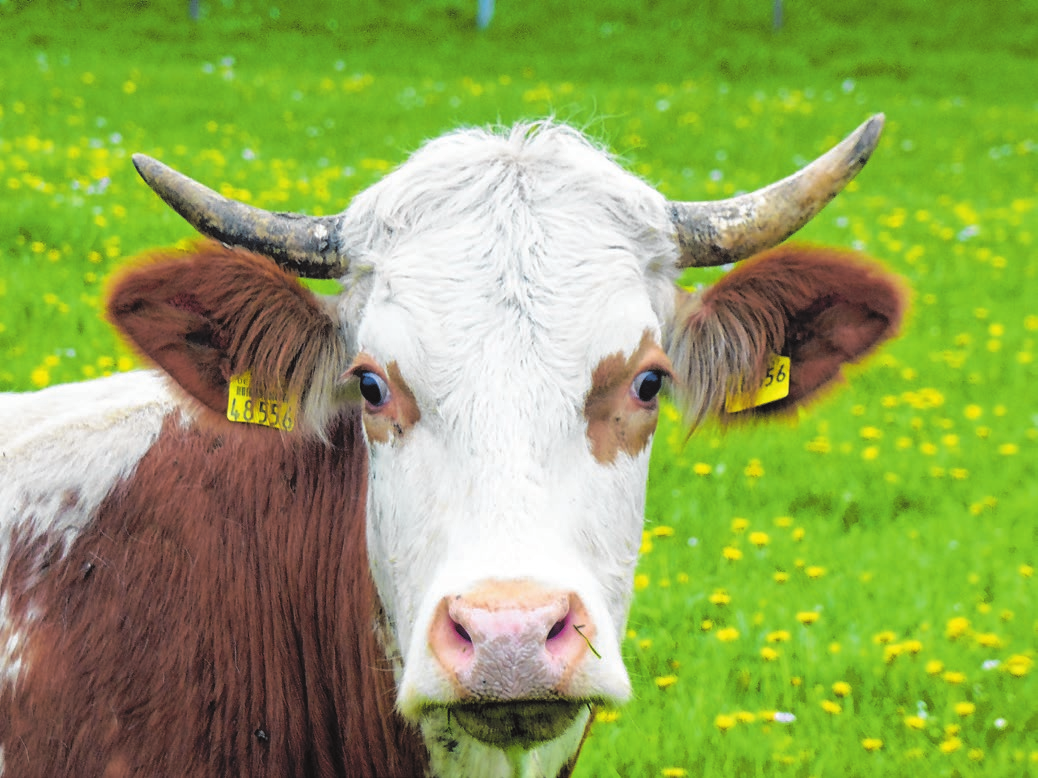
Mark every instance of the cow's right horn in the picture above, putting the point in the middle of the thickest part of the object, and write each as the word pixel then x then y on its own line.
pixel 722 231
pixel 308 245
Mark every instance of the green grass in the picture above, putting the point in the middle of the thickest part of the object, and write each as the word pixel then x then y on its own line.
pixel 899 509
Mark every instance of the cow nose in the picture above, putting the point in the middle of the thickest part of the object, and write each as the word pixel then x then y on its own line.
pixel 511 641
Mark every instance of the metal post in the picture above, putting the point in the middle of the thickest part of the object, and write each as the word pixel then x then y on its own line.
pixel 484 13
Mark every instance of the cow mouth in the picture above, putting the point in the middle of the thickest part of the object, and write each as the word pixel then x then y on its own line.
pixel 523 723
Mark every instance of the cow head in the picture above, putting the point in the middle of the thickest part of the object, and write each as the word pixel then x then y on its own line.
pixel 507 321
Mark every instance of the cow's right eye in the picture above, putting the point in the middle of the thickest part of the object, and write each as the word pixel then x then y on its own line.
pixel 373 388
pixel 647 385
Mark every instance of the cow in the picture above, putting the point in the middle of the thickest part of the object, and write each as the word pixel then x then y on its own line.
pixel 392 532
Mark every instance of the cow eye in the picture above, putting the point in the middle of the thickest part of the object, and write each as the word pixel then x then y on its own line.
pixel 647 385
pixel 373 388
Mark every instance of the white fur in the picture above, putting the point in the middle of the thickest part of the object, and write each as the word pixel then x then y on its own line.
pixel 497 271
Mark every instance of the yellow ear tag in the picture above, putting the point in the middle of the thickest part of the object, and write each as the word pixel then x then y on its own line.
pixel 774 387
pixel 242 407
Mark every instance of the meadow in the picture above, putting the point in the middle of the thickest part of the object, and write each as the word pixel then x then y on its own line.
pixel 848 594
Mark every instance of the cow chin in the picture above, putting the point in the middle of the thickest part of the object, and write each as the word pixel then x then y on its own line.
pixel 518 723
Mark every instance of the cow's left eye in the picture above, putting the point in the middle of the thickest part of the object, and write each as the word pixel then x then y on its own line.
pixel 647 385
pixel 373 388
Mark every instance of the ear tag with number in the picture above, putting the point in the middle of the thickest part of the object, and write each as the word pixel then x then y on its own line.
pixel 774 386
pixel 242 407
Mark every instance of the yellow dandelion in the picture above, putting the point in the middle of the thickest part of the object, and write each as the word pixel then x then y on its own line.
pixel 832 708
pixel 872 433
pixel 798 534
pixel 915 722
pixel 663 531
pixel 778 636
pixel 1018 665
pixel 745 717
pixel 701 468
pixel 934 667
pixel 1026 571
pixel 780 576
pixel 731 553
pixel 872 744
pixel 807 618
pixel 975 755
pixel 965 708
pixel 951 745
pixel 973 412
pixel 641 582
pixel 988 639
pixel 884 637
pixel 607 716
pixel 814 571
pixel 841 688
pixel 727 634
pixel 754 469
pixel 759 539
pixel 724 722
pixel 956 627
pixel 768 654
pixel 1008 449
pixel 954 677
pixel 666 681
pixel 740 524
pixel 720 597
pixel 912 646
pixel 40 377
pixel 674 772
pixel 891 652
pixel 706 625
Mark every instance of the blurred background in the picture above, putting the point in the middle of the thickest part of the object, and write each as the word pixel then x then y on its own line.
pixel 899 511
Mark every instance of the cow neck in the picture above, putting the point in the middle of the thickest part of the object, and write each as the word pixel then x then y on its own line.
pixel 216 617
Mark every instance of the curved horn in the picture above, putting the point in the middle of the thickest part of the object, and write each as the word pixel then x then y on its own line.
pixel 308 245
pixel 723 231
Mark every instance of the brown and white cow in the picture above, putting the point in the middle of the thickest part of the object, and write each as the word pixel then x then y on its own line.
pixel 423 563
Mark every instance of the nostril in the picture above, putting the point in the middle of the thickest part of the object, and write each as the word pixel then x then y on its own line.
pixel 462 632
pixel 557 628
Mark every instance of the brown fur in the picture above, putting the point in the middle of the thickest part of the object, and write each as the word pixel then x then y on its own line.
pixel 820 307
pixel 616 421
pixel 217 618
pixel 206 316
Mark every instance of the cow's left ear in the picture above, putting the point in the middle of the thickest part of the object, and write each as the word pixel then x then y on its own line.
pixel 819 307
pixel 212 313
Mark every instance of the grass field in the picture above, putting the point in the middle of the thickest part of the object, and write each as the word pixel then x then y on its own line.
pixel 853 594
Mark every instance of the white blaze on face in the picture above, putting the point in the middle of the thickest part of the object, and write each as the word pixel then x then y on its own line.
pixel 525 287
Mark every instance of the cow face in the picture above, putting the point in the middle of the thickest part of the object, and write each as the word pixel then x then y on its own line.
pixel 508 354
pixel 507 322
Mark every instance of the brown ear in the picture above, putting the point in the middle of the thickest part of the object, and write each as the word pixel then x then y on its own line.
pixel 820 307
pixel 214 312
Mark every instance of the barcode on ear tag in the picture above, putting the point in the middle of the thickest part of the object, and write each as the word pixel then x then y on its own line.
pixel 774 386
pixel 243 408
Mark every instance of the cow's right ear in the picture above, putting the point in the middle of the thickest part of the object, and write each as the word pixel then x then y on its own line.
pixel 213 313
pixel 820 308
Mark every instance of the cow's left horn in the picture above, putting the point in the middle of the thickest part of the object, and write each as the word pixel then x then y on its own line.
pixel 723 231
pixel 308 245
